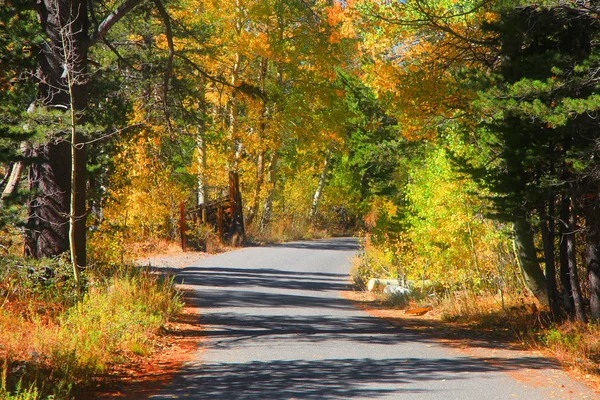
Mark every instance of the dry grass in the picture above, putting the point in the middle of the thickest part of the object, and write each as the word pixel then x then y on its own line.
pixel 285 230
pixel 53 342
pixel 576 345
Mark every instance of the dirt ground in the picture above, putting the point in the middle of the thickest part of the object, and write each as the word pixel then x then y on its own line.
pixel 177 259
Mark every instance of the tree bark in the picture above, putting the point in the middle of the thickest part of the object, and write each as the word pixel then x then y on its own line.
pixel 321 185
pixel 237 231
pixel 272 180
pixel 201 149
pixel 49 181
pixel 525 248
pixel 565 279
pixel 13 182
pixel 572 263
pixel 201 157
pixel 260 160
pixel 547 229
pixel 260 168
pixel 592 253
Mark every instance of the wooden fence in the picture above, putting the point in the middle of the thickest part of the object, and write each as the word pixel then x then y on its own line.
pixel 224 214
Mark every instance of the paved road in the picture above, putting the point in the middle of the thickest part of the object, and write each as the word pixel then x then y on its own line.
pixel 277 328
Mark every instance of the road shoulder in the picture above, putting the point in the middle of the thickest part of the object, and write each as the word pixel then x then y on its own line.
pixel 472 342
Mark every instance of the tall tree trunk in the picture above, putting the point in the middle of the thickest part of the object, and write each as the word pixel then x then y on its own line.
pixel 272 185
pixel 72 76
pixel 572 263
pixel 201 158
pixel 13 181
pixel 592 252
pixel 201 149
pixel 260 168
pixel 273 169
pixel 321 185
pixel 565 279
pixel 260 159
pixel 547 229
pixel 49 180
pixel 525 248
pixel 234 136
pixel 237 232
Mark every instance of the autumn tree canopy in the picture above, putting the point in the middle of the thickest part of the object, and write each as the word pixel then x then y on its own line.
pixel 459 136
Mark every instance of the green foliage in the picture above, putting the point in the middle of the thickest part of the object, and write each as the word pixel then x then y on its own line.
pixel 555 337
pixel 48 281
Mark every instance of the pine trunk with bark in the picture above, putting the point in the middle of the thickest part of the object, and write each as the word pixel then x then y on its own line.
pixel 565 278
pixel 525 249
pixel 547 228
pixel 50 174
pixel 50 179
pixel 592 252
pixel 572 263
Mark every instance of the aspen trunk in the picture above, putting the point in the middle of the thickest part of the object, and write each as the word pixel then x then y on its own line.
pixel 201 150
pixel 272 184
pixel 72 76
pixel 273 169
pixel 321 185
pixel 260 159
pixel 260 167
pixel 234 137
pixel 201 157
pixel 13 181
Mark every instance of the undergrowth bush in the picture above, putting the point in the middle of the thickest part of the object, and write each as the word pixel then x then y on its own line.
pixel 52 350
pixel 576 344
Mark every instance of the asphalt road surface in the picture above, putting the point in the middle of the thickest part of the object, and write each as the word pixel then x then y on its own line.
pixel 276 327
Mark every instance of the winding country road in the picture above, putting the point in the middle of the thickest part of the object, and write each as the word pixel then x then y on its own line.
pixel 276 327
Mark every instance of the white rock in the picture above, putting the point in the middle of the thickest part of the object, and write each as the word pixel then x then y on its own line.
pixel 396 290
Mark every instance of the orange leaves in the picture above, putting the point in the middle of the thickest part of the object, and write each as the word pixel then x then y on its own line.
pixel 260 46
pixel 412 51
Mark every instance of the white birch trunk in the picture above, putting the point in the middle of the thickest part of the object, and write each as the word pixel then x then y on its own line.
pixel 321 185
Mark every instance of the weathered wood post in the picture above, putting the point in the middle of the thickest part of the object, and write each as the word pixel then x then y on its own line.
pixel 220 222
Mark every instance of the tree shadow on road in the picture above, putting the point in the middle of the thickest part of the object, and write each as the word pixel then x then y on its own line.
pixel 262 306
pixel 334 378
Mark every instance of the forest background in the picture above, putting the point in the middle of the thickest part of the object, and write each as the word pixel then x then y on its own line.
pixel 459 137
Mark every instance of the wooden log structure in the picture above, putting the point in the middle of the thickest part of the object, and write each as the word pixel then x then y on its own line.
pixel 224 214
